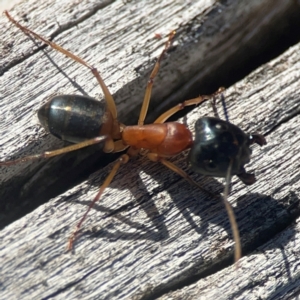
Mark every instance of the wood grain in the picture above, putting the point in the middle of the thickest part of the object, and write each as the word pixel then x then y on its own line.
pixel 151 231
pixel 271 272
pixel 216 44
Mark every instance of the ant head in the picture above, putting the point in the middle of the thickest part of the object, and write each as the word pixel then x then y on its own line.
pixel 218 144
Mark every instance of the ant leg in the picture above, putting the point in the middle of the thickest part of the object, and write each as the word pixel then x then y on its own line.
pixel 195 101
pixel 48 154
pixel 153 74
pixel 154 157
pixel 122 160
pixel 231 216
pixel 119 146
pixel 108 97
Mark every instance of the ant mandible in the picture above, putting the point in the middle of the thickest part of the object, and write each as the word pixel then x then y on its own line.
pixel 220 148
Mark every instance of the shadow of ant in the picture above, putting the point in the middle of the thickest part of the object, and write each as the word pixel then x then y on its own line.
pixel 259 216
pixel 270 219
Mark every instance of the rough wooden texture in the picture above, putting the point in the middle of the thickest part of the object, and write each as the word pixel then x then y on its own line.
pixel 271 272
pixel 7 4
pixel 215 42
pixel 116 36
pixel 152 231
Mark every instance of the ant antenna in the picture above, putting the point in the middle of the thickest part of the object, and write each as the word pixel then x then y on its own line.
pixel 224 107
pixel 229 209
pixel 231 216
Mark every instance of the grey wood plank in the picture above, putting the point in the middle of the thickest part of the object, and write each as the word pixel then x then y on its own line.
pixel 167 231
pixel 152 231
pixel 271 272
pixel 117 36
pixel 215 42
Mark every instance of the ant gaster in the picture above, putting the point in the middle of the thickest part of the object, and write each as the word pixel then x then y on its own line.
pixel 220 148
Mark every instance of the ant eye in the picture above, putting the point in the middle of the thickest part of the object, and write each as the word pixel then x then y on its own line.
pixel 210 165
pixel 221 127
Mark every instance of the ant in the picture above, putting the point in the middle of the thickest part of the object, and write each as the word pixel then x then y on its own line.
pixel 220 149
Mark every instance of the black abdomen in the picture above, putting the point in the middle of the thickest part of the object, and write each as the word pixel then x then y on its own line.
pixel 72 118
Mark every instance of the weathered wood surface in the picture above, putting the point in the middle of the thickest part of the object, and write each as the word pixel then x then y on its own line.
pixel 271 272
pixel 166 231
pixel 214 43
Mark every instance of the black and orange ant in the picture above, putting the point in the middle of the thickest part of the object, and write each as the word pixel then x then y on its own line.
pixel 219 149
